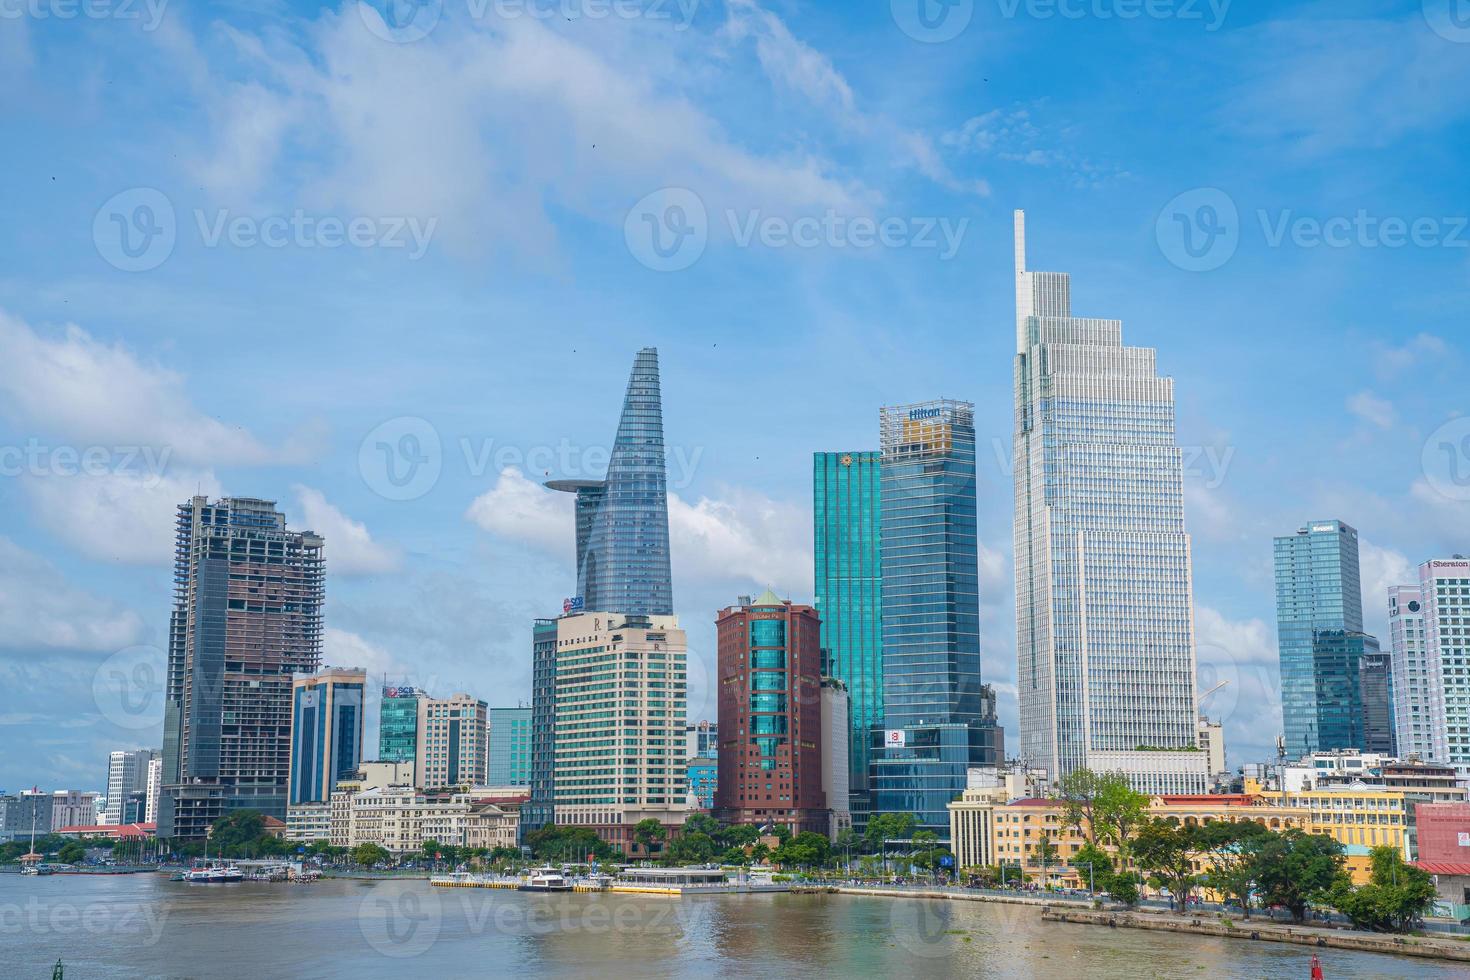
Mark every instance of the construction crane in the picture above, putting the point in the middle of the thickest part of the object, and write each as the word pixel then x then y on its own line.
pixel 1201 699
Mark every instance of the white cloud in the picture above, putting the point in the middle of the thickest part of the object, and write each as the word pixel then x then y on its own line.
pixel 1243 654
pixel 1014 136
pixel 39 608
pixel 522 510
pixel 72 387
pixel 123 517
pixel 341 648
pixel 350 549
pixel 1378 412
pixel 745 536
pixel 1421 348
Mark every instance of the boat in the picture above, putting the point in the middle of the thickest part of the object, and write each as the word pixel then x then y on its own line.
pixel 214 875
pixel 546 880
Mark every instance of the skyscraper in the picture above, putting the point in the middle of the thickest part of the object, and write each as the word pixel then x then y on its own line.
pixel 620 700
pixel 1375 681
pixel 453 742
pixel 540 809
pixel 326 731
pixel 127 772
pixel 1418 690
pixel 1104 596
pixel 510 747
pixel 770 681
pixel 398 723
pixel 938 719
pixel 1443 704
pixel 622 522
pixel 1319 628
pixel 247 616
pixel 847 527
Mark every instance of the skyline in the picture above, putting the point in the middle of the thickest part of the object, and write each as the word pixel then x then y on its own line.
pixel 1307 390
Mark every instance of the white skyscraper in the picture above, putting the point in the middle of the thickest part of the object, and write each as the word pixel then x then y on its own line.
pixel 1104 593
pixel 127 773
pixel 1429 627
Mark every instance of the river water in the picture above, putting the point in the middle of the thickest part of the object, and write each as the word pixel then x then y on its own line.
pixel 133 926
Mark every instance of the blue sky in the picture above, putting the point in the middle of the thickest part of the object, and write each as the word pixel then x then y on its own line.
pixel 337 224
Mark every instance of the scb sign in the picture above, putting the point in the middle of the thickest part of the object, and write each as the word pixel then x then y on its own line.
pixel 894 738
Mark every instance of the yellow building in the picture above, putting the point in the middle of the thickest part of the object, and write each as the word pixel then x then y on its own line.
pixel 1359 817
pixel 985 830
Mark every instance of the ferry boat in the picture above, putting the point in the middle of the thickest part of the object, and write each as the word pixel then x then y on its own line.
pixel 214 875
pixel 546 880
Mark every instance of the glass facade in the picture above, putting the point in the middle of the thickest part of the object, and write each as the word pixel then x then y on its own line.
pixel 510 747
pixel 326 735
pixel 1104 598
pixel 622 522
pixel 1376 683
pixel 931 615
pixel 848 565
pixel 539 810
pixel 703 775
pixel 1319 607
pixel 398 724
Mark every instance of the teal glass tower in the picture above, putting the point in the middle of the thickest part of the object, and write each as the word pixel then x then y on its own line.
pixel 622 522
pixel 398 724
pixel 510 747
pixel 1319 628
pixel 938 719
pixel 847 505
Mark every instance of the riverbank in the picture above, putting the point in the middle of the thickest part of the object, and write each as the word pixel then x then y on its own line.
pixel 1457 950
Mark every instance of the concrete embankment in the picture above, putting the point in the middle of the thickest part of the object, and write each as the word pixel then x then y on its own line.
pixel 1366 942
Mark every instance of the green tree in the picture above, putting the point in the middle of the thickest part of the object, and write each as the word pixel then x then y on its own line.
pixel 650 835
pixel 1166 851
pixel 692 848
pixel 888 826
pixel 1077 792
pixel 237 833
pixel 71 852
pixel 369 854
pixel 1395 898
pixel 1094 865
pixel 1233 848
pixel 806 850
pixel 737 835
pixel 1119 810
pixel 759 853
pixel 1295 868
pixel 701 823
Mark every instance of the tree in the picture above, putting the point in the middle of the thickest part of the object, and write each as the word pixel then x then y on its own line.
pixel 1094 865
pixel 692 848
pixel 759 853
pixel 1077 792
pixel 702 823
pixel 71 852
pixel 237 832
pixel 563 843
pixel 1233 848
pixel 1395 898
pixel 1119 811
pixel 1295 868
pixel 928 852
pixel 806 850
pixel 737 835
pixel 650 834
pixel 369 854
pixel 888 826
pixel 1044 851
pixel 1166 850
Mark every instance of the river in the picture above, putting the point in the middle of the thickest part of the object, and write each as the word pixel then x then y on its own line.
pixel 135 926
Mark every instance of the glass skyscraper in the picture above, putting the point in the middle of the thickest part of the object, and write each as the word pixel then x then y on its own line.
pixel 938 720
pixel 847 529
pixel 510 747
pixel 1319 630
pixel 622 522
pixel 398 724
pixel 326 732
pixel 1104 598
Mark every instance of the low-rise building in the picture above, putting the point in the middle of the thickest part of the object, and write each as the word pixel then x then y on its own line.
pixel 401 818
pixel 308 822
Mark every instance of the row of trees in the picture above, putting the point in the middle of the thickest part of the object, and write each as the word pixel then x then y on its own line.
pixel 1243 860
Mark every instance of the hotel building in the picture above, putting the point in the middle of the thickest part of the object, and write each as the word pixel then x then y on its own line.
pixel 453 742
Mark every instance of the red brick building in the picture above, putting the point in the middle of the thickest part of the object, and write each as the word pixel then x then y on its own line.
pixel 770 676
pixel 1443 832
